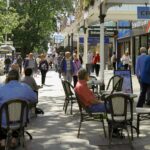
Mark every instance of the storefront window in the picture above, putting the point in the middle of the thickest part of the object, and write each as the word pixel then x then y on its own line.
pixel 144 41
pixel 149 41
pixel 137 45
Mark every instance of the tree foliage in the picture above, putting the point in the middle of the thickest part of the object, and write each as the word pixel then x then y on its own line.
pixel 37 20
pixel 8 20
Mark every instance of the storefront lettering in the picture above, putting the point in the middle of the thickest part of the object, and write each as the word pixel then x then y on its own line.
pixel 145 13
pixel 139 23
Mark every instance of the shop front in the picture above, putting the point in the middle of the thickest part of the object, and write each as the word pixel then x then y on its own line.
pixel 133 40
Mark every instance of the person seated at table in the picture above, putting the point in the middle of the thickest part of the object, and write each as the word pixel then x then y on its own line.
pixel 15 66
pixel 88 98
pixel 28 79
pixel 86 95
pixel 13 89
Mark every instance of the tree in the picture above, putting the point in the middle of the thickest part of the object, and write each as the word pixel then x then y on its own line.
pixel 8 20
pixel 37 20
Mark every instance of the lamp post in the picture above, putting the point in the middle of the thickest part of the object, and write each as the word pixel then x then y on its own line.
pixel 102 35
pixel 85 43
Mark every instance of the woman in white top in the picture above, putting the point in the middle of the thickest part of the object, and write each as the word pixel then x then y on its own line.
pixel 126 60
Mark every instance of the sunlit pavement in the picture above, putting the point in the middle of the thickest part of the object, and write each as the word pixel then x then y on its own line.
pixel 56 131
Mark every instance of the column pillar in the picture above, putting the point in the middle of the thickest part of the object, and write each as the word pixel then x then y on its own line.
pixel 78 44
pixel 68 41
pixel 72 46
pixel 85 44
pixel 102 55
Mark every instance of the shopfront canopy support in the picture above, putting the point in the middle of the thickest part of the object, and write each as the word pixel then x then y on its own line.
pixel 102 35
pixel 104 6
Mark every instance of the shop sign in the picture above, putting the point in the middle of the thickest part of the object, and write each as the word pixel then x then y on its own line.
pixel 94 33
pixel 143 12
pixel 127 80
pixel 124 33
pixel 137 24
pixel 94 40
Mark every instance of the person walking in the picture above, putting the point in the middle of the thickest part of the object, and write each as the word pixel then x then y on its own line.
pixel 59 60
pixel 114 60
pixel 30 62
pixel 67 67
pixel 126 60
pixel 19 62
pixel 140 63
pixel 7 63
pixel 77 66
pixel 144 81
pixel 96 62
pixel 89 62
pixel 43 67
pixel 55 61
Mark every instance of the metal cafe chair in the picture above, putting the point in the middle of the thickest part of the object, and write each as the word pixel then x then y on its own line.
pixel 142 114
pixel 86 115
pixel 94 87
pixel 69 95
pixel 116 82
pixel 16 114
pixel 119 115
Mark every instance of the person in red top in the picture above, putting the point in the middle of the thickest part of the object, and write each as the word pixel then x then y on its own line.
pixel 96 63
pixel 86 95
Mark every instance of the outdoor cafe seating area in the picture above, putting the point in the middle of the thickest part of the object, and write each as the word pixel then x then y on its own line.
pixel 119 107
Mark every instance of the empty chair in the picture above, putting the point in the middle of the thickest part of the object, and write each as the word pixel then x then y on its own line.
pixel 142 114
pixel 69 95
pixel 119 115
pixel 114 85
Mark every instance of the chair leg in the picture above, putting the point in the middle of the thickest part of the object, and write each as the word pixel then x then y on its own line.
pixel 71 107
pixel 131 126
pixel 110 135
pixel 129 137
pixel 7 142
pixel 102 120
pixel 67 102
pixel 138 125
pixel 30 136
pixel 64 104
pixel 79 127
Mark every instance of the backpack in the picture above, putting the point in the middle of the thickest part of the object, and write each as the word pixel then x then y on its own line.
pixel 44 66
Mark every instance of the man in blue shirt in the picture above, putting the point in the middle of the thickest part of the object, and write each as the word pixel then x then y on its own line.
pixel 13 89
pixel 140 62
pixel 145 81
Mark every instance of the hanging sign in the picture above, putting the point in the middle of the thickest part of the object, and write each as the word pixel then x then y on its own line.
pixel 143 12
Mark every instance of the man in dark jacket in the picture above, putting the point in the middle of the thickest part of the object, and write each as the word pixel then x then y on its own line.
pixel 145 81
pixel 67 68
pixel 7 64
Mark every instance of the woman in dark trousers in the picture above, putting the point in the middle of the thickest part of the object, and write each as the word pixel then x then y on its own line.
pixel 96 63
pixel 43 67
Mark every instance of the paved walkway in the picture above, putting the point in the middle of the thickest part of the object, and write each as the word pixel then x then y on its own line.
pixel 56 131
